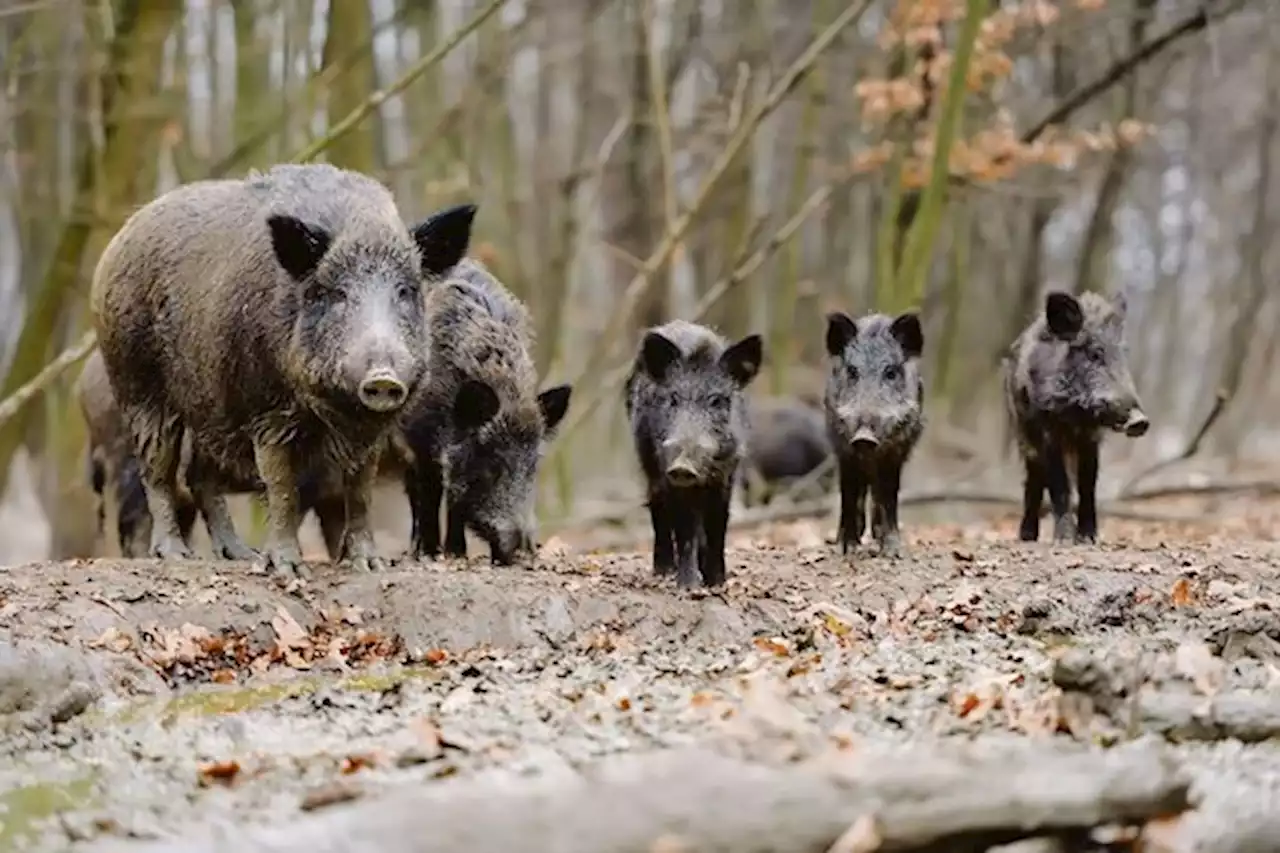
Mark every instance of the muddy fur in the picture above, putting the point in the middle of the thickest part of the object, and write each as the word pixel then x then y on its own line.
pixel 875 416
pixel 689 422
pixel 255 315
pixel 476 431
pixel 1067 382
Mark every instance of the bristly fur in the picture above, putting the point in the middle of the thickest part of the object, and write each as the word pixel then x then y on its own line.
pixel 228 310
pixel 874 407
pixel 688 415
pixel 479 423
pixel 1067 381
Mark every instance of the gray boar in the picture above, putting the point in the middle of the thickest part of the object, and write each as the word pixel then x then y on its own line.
pixel 874 405
pixel 1066 381
pixel 788 440
pixel 113 466
pixel 278 320
pixel 479 424
pixel 688 414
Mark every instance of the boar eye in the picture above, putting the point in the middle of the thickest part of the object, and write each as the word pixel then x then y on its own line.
pixel 406 292
pixel 892 373
pixel 720 402
pixel 853 373
pixel 326 295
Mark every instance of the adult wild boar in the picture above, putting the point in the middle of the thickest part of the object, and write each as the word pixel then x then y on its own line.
pixel 1067 380
pixel 479 423
pixel 279 320
pixel 875 417
pixel 688 414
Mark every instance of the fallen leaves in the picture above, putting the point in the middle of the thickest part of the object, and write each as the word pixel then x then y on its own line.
pixel 330 795
pixel 862 836
pixel 1183 593
pixel 218 773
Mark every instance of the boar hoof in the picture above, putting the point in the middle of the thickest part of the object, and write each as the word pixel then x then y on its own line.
pixel 170 548
pixel 891 546
pixel 1083 538
pixel 364 565
pixel 236 550
pixel 687 579
pixel 286 564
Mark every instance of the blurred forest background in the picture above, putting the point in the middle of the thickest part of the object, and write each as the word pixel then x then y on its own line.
pixel 752 164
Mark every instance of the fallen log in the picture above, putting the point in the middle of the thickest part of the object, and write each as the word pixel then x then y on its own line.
pixel 700 801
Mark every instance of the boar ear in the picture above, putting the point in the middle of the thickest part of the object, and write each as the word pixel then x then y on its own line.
pixel 1120 303
pixel 298 246
pixel 1063 314
pixel 840 330
pixel 657 355
pixel 554 403
pixel 742 360
pixel 906 328
pixel 443 238
pixel 474 405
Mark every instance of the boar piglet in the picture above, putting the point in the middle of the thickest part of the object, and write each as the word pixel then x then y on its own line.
pixel 875 415
pixel 787 441
pixel 688 414
pixel 278 322
pixel 1066 381
pixel 479 425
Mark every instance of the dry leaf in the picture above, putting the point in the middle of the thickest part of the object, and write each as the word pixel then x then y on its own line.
pixel 436 656
pixel 772 645
pixel 863 836
pixel 223 772
pixel 355 763
pixel 223 676
pixel 113 639
pixel 1164 835
pixel 289 633
pixel 353 615
pixel 329 795
pixel 555 547
pixel 1196 663
pixel 1182 594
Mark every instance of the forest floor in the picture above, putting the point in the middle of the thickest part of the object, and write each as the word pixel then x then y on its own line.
pixel 143 701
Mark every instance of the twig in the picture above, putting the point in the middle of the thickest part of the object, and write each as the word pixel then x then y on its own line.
pixel 375 100
pixel 1117 72
pixel 33 388
pixel 661 116
pixel 637 287
pixel 1220 401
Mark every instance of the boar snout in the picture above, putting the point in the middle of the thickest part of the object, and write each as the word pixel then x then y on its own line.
pixel 682 471
pixel 382 391
pixel 1137 424
pixel 864 438
pixel 506 545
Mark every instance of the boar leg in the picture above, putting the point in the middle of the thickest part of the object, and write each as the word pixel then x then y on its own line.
pixel 664 554
pixel 1059 485
pixel 331 512
pixel 685 522
pixel 186 512
pixel 158 439
pixel 715 524
pixel 1033 485
pixel 853 504
pixel 455 533
pixel 888 479
pixel 280 476
pixel 226 543
pixel 358 549
pixel 424 485
pixel 1087 486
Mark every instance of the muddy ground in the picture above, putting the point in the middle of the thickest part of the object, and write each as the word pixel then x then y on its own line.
pixel 143 701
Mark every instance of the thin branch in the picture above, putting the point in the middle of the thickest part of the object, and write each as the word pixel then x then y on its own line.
pixel 1220 401
pixel 636 289
pixel 376 99
pixel 73 355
